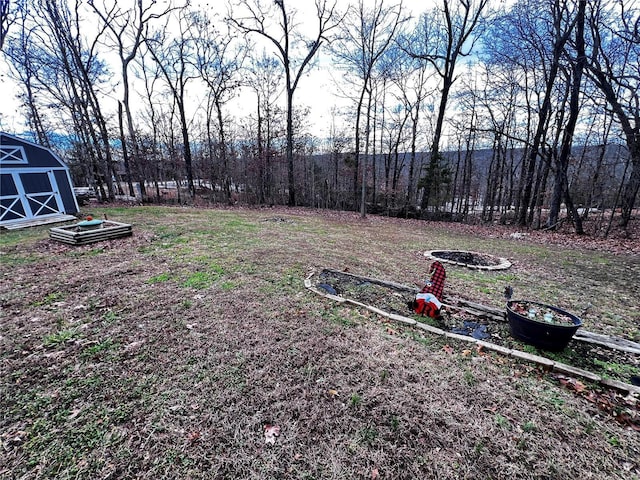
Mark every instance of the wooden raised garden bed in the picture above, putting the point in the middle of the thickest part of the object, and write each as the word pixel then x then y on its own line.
pixel 78 234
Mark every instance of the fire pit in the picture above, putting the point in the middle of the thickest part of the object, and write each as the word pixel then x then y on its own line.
pixel 473 260
pixel 543 326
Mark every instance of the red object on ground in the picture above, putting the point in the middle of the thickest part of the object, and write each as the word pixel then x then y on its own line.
pixel 438 276
pixel 427 304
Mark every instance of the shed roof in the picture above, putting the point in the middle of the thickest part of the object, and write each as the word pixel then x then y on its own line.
pixel 17 152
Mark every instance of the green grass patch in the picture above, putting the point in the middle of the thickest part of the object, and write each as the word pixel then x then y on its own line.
pixel 469 378
pixel 237 224
pixel 160 278
pixel 202 280
pixel 99 349
pixel 49 299
pixel 502 421
pixel 427 341
pixel 367 436
pixel 71 453
pixel 566 355
pixel 342 316
pixel 110 317
pixel 618 369
pixel 170 236
pixel 228 285
pixel 432 322
pixel 7 260
pixel 482 281
pixel 11 238
pixel 554 398
pixel 60 337
pixel 287 282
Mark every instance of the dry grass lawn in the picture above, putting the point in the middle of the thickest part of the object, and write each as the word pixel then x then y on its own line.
pixel 172 353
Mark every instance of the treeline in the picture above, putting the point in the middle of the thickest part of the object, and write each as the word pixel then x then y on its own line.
pixel 470 109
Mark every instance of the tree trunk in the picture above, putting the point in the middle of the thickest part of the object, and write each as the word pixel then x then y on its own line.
pixel 125 155
pixel 187 149
pixel 363 199
pixel 290 171
pixel 356 154
pixel 561 183
pixel 132 133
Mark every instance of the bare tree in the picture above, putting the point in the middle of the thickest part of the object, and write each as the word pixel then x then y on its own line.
pixel 561 187
pixel 561 32
pixel 395 157
pixel 175 59
pixel 22 54
pixel 150 77
pixel 126 28
pixel 613 64
pixel 9 16
pixel 411 77
pixel 469 136
pixel 532 37
pixel 443 36
pixel 63 67
pixel 265 79
pixel 293 49
pixel 365 34
pixel 219 60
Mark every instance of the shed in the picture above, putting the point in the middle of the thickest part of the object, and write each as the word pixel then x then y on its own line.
pixel 35 185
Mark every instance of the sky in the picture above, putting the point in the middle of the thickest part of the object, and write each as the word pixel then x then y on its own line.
pixel 317 90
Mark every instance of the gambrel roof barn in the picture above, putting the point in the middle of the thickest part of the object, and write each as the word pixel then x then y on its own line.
pixel 35 185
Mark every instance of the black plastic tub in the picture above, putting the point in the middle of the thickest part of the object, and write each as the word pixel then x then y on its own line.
pixel 553 337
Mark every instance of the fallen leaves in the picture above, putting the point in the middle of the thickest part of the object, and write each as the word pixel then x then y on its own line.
pixel 133 347
pixel 573 384
pixel 270 434
pixel 625 410
pixel 479 350
pixel 448 349
pixel 13 438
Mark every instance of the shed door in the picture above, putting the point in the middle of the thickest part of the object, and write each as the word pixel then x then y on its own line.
pixel 11 207
pixel 29 195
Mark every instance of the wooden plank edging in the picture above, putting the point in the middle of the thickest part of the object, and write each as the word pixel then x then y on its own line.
pixel 71 235
pixel 551 365
pixel 496 314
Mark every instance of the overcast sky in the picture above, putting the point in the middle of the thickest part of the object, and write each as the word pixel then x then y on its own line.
pixel 317 90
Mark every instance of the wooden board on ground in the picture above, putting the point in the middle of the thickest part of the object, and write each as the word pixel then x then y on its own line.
pixel 74 235
pixel 35 222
